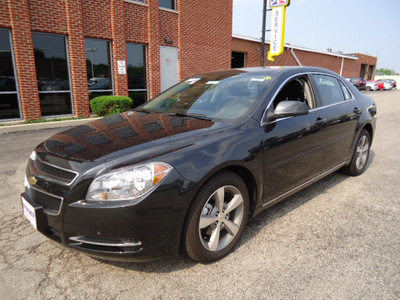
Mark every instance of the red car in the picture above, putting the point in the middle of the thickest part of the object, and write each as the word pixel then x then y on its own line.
pixel 380 85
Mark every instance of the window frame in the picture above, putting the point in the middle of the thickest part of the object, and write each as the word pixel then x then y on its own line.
pixel 17 92
pixel 70 91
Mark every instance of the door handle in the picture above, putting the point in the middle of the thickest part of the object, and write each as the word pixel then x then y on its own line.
pixel 320 121
pixel 357 110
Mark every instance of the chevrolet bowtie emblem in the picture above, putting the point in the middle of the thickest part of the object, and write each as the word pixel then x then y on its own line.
pixel 32 180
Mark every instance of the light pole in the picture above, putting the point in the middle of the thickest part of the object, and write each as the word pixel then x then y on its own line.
pixel 91 50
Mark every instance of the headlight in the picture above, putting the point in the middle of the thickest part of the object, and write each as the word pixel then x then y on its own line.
pixel 33 155
pixel 128 183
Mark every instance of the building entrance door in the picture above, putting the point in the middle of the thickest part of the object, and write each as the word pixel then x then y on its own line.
pixel 169 67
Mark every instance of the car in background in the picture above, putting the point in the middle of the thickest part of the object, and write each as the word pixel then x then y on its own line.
pixel 393 82
pixel 388 84
pixel 372 85
pixel 184 172
pixel 380 85
pixel 358 82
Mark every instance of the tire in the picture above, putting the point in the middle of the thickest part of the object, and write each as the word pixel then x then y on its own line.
pixel 369 88
pixel 217 218
pixel 360 156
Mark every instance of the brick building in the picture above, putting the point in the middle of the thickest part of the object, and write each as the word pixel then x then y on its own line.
pixel 246 52
pixel 56 55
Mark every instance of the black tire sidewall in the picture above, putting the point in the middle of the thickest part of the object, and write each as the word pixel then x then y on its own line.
pixel 191 239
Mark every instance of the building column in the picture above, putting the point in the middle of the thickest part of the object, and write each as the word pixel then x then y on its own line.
pixel 24 58
pixel 77 57
pixel 119 46
pixel 154 63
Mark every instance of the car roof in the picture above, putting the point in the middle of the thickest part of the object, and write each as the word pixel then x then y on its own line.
pixel 275 70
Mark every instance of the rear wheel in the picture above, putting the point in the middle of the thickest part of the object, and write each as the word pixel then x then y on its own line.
pixel 217 218
pixel 360 157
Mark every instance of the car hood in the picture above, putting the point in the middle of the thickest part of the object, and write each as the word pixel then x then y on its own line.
pixel 118 135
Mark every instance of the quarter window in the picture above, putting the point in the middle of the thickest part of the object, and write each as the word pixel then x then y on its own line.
pixel 137 73
pixel 52 74
pixel 170 4
pixel 330 90
pixel 98 63
pixel 9 102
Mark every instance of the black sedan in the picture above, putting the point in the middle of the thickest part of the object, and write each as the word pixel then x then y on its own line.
pixel 185 171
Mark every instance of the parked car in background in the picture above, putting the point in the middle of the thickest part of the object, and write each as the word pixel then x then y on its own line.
pixel 185 171
pixel 380 85
pixel 358 82
pixel 372 85
pixel 393 82
pixel 388 84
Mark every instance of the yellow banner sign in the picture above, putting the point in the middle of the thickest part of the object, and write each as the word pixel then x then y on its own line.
pixel 277 32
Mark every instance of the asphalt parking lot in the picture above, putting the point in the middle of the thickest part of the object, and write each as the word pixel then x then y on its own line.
pixel 337 239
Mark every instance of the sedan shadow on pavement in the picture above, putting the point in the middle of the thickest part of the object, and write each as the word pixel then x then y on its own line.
pixel 254 227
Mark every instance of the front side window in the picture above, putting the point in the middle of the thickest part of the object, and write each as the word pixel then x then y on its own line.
pixel 221 96
pixel 330 90
pixel 297 89
pixel 9 103
pixel 52 74
pixel 98 63
pixel 137 73
pixel 170 4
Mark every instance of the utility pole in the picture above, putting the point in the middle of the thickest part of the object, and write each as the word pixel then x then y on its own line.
pixel 263 34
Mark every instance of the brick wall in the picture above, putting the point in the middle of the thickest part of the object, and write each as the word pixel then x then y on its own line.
pixel 136 23
pixel 48 16
pixel 77 57
pixel 205 36
pixel 4 14
pixel 96 18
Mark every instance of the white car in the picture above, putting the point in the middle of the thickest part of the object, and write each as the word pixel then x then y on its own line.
pixel 387 85
pixel 372 86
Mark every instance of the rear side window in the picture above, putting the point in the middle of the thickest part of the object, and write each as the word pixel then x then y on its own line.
pixel 330 90
pixel 346 92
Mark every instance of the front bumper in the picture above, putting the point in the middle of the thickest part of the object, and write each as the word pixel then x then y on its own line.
pixel 124 231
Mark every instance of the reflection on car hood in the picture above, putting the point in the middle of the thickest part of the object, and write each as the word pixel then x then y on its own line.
pixel 127 132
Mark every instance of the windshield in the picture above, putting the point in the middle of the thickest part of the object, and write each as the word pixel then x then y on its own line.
pixel 216 96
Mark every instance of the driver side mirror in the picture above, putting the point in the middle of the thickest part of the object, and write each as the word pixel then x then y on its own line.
pixel 287 108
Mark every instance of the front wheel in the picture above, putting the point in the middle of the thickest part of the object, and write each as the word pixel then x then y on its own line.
pixel 360 156
pixel 217 218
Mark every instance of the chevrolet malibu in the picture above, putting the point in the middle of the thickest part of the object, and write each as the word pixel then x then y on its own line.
pixel 184 172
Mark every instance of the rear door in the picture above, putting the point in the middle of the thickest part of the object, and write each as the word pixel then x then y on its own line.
pixel 341 115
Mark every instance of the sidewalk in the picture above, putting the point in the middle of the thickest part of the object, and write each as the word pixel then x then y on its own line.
pixel 44 125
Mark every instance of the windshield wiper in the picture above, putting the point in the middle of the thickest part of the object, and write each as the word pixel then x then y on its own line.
pixel 144 110
pixel 193 116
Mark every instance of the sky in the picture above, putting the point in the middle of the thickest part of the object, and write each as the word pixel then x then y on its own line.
pixel 364 26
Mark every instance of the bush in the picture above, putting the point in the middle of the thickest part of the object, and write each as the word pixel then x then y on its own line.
pixel 110 105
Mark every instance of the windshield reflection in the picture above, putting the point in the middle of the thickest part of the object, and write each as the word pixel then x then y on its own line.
pixel 218 96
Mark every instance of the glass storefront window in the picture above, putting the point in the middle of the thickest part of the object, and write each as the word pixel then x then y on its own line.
pixel 98 63
pixel 9 102
pixel 52 74
pixel 137 73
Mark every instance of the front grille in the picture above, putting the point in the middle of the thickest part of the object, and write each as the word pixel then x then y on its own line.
pixel 62 175
pixel 51 204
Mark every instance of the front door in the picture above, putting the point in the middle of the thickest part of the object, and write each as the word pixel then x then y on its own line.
pixel 293 147
pixel 169 67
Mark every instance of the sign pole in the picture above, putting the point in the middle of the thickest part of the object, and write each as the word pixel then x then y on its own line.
pixel 263 34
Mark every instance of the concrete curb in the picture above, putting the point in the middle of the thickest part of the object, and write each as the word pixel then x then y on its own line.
pixel 45 125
